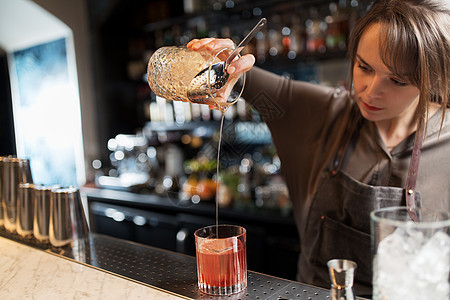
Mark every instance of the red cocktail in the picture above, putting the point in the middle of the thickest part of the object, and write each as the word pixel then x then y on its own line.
pixel 221 259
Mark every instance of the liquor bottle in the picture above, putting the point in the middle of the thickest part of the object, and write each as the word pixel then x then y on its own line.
pixel 261 46
pixel 275 38
pixel 286 40
pixel 356 10
pixel 315 30
pixel 297 38
pixel 335 37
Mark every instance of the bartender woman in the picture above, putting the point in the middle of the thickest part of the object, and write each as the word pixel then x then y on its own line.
pixel 346 153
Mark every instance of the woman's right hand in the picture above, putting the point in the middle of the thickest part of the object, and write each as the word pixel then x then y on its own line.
pixel 236 68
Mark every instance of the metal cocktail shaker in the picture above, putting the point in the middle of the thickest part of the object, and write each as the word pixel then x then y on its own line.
pixel 2 158
pixel 67 219
pixel 15 171
pixel 25 209
pixel 41 217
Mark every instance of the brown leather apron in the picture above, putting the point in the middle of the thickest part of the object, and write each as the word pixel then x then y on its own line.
pixel 338 223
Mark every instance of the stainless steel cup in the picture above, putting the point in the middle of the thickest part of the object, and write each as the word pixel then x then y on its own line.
pixel 60 227
pixel 41 216
pixel 15 171
pixel 25 209
pixel 342 273
pixel 67 219
pixel 2 158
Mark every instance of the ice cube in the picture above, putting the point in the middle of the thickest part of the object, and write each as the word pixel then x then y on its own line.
pixel 216 246
pixel 432 262
pixel 407 266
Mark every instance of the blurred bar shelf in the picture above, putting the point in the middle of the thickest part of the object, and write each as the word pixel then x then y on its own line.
pixel 172 203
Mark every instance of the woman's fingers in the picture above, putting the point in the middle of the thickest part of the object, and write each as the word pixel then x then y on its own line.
pixel 218 44
pixel 241 65
pixel 191 42
pixel 199 44
pixel 213 45
pixel 210 44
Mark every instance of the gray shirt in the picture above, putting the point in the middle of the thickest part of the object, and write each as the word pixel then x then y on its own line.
pixel 308 123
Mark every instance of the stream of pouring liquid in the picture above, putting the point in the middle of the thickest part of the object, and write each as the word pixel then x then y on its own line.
pixel 201 99
pixel 217 171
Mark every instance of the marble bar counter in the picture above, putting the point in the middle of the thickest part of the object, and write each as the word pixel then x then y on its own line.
pixel 109 268
pixel 28 273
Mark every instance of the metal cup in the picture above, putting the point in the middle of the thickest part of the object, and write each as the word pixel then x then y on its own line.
pixel 15 171
pixel 67 220
pixel 2 158
pixel 25 209
pixel 60 227
pixel 341 276
pixel 41 216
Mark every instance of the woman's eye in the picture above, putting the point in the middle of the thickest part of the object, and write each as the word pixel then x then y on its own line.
pixel 363 67
pixel 398 82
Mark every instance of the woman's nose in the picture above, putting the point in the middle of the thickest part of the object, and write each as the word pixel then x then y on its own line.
pixel 374 87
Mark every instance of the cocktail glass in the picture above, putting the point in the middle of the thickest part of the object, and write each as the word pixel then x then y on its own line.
pixel 172 74
pixel 221 259
pixel 411 259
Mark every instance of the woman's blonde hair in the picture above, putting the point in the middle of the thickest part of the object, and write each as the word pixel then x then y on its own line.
pixel 415 46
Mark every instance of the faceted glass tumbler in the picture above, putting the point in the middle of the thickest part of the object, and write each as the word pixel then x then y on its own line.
pixel 221 259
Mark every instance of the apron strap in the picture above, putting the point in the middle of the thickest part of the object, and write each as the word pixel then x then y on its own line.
pixel 413 172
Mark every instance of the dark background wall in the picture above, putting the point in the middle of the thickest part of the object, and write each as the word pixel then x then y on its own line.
pixel 7 140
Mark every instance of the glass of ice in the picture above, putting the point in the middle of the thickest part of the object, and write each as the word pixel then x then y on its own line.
pixel 411 259
pixel 221 259
pixel 172 74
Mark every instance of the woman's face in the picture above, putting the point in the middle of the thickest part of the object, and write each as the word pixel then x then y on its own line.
pixel 380 95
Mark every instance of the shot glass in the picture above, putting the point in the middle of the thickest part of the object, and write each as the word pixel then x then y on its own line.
pixel 221 259
pixel 342 272
pixel 411 259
